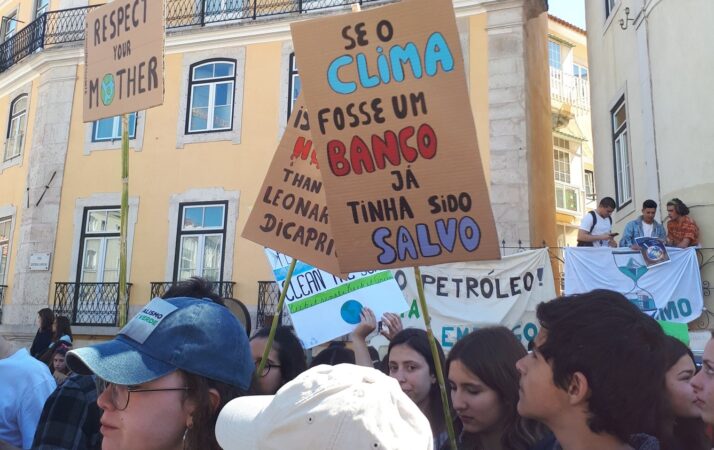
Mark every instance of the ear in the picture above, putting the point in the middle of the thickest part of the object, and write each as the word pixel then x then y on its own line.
pixel 578 389
pixel 215 398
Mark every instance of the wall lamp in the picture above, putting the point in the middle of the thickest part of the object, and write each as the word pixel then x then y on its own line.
pixel 626 21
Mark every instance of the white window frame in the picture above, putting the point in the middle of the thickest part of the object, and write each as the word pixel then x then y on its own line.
pixel 191 59
pixel 589 182
pixel 40 9
pixel 293 77
pixel 623 179
pixel 9 26
pixel 116 128
pixel 560 55
pixel 212 83
pixel 13 149
pixel 610 7
pixel 202 233
pixel 104 236
pixel 5 243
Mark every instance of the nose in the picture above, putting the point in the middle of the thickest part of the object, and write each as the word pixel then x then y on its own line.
pixel 695 382
pixel 104 401
pixel 457 400
pixel 399 375
pixel 521 365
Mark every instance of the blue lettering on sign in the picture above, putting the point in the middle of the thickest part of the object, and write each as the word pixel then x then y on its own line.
pixel 437 54
pixel 674 310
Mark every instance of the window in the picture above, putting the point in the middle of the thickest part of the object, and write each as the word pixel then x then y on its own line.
pixel 109 129
pixel 554 55
pixel 211 94
pixel 16 128
pixel 562 166
pixel 590 184
pixel 9 26
pixel 4 247
pixel 227 9
pixel 99 246
pixel 41 7
pixel 294 85
pixel 609 7
pixel 623 187
pixel 580 72
pixel 566 197
pixel 200 241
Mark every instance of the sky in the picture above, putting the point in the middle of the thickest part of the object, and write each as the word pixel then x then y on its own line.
pixel 572 11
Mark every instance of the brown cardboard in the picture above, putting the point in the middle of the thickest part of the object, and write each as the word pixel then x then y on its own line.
pixel 124 58
pixel 430 189
pixel 290 213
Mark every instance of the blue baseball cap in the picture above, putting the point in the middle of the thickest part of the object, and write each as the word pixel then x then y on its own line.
pixel 193 335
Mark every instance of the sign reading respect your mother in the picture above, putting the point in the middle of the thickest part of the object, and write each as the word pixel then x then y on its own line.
pixel 395 138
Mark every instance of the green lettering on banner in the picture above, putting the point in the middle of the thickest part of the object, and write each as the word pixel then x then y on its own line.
pixel 148 319
pixel 339 291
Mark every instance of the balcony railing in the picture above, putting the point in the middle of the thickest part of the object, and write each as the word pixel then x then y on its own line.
pixel 3 288
pixel 68 25
pixel 268 296
pixel 89 303
pixel 224 289
pixel 567 88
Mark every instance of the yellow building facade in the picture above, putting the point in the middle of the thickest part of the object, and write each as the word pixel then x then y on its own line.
pixel 198 161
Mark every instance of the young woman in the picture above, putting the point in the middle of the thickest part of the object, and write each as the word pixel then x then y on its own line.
pixel 689 432
pixel 410 362
pixel 482 375
pixel 286 359
pixel 165 377
pixel 59 366
pixel 43 338
pixel 61 336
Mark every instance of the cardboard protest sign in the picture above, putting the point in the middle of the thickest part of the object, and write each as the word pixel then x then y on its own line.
pixel 469 295
pixel 290 213
pixel 124 58
pixel 395 136
pixel 323 307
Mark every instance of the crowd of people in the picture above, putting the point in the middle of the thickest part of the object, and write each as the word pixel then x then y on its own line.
pixel 600 374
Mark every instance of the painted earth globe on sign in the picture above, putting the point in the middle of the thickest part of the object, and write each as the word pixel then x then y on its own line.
pixel 655 253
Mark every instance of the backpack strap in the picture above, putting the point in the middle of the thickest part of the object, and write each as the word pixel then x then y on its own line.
pixel 592 227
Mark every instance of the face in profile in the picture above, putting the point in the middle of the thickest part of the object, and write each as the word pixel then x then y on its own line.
pixel 152 420
pixel 539 397
pixel 679 389
pixel 411 370
pixel 272 377
pixel 703 384
pixel 478 406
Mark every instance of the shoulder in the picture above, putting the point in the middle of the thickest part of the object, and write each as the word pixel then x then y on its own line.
pixel 644 442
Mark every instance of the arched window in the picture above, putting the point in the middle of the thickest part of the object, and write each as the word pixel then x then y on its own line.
pixel 16 127
pixel 211 94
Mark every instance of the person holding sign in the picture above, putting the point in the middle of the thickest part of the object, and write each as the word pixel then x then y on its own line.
pixel 482 374
pixel 166 375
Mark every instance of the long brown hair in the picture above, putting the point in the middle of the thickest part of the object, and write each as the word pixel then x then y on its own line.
pixel 491 354
pixel 47 317
pixel 202 436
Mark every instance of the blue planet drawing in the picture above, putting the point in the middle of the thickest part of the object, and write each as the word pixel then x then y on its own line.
pixel 350 311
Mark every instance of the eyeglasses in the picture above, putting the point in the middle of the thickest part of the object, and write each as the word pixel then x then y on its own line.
pixel 119 394
pixel 266 368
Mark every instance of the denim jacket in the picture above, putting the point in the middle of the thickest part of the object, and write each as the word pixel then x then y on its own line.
pixel 634 230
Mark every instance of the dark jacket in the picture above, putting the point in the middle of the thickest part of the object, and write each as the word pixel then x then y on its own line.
pixel 637 441
pixel 42 341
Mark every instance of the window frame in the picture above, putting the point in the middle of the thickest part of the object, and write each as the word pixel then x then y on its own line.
pixel 562 163
pixel 560 55
pixel 589 182
pixel 116 126
pixel 12 117
pixel 293 74
pixel 6 244
pixel 620 148
pixel 180 233
pixel 84 235
pixel 12 17
pixel 44 9
pixel 610 6
pixel 210 82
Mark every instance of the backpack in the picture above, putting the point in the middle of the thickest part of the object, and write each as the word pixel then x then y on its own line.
pixel 592 227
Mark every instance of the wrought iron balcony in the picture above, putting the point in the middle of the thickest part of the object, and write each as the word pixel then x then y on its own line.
pixel 224 289
pixel 68 25
pixel 268 296
pixel 3 288
pixel 89 303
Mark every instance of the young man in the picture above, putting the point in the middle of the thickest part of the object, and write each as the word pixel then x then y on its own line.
pixel 596 375
pixel 596 226
pixel 643 226
pixel 682 231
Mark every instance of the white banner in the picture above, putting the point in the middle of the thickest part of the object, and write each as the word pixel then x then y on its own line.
pixel 468 295
pixel 670 292
pixel 324 307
